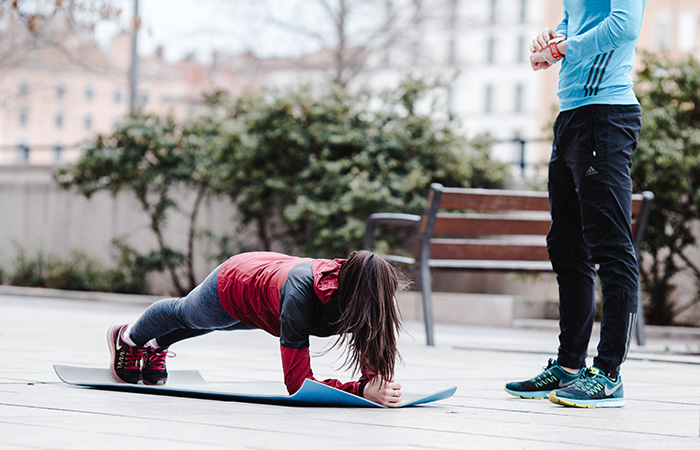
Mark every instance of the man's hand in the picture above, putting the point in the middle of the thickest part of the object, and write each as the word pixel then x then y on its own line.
pixel 387 393
pixel 537 61
pixel 541 44
pixel 541 41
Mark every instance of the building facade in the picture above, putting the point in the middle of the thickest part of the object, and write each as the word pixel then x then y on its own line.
pixel 54 99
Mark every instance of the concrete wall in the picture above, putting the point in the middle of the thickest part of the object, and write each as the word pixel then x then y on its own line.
pixel 37 215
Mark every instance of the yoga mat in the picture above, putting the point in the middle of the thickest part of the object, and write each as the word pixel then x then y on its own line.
pixel 189 383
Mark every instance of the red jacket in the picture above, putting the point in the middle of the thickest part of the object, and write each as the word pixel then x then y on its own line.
pixel 289 297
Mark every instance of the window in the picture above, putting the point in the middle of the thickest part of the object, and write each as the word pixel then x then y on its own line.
pixel 388 14
pixel 117 122
pixel 59 120
pixel 493 11
pixel 523 11
pixel 60 91
pixel 519 98
pixel 488 99
pixel 523 49
pixel 663 31
pixel 22 152
pixel 89 93
pixel 88 122
pixel 118 95
pixel 687 31
pixel 23 117
pixel 24 87
pixel 491 50
pixel 144 98
pixel 58 151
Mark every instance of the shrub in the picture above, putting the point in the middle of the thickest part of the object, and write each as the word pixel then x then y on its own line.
pixel 79 273
pixel 667 162
pixel 308 167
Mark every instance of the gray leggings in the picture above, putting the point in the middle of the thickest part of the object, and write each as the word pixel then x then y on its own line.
pixel 173 319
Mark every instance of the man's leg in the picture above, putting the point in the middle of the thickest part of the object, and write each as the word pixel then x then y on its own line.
pixel 605 192
pixel 606 207
pixel 575 274
pixel 567 250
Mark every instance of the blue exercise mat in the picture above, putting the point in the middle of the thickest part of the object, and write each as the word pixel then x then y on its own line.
pixel 189 383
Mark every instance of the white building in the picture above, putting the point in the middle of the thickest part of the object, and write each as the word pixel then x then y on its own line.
pixel 478 49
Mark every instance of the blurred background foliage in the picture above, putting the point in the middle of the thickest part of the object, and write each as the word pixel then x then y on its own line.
pixel 667 162
pixel 304 167
pixel 79 273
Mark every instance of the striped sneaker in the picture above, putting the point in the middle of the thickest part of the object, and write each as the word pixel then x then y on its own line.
pixel 552 377
pixel 153 371
pixel 592 390
pixel 125 363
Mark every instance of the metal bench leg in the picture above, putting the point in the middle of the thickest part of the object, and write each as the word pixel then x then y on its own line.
pixel 427 291
pixel 639 329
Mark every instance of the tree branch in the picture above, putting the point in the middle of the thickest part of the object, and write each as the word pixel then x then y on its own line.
pixel 690 265
pixel 189 260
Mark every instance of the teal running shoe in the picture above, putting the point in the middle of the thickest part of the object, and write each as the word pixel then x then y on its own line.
pixel 552 377
pixel 592 390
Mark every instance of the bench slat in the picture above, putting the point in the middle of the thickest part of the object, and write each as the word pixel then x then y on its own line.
pixel 506 200
pixel 450 224
pixel 492 266
pixel 637 204
pixel 493 200
pixel 482 249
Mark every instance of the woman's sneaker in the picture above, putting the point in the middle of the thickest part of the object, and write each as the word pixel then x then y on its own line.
pixel 153 370
pixel 592 390
pixel 125 364
pixel 552 377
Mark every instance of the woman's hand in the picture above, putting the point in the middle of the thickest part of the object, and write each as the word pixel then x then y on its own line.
pixel 386 393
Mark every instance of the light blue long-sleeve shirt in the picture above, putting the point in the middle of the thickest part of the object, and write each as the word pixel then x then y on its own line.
pixel 601 36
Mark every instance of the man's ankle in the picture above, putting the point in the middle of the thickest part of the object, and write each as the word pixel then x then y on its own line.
pixel 569 370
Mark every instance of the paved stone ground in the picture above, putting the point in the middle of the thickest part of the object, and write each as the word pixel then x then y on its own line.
pixel 662 384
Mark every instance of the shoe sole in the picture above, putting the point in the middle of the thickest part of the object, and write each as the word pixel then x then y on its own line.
pixel 534 395
pixel 601 403
pixel 112 351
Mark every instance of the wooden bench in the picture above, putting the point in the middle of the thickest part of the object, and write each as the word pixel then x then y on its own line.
pixel 485 230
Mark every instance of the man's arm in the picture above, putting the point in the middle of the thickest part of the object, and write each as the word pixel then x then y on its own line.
pixel 538 61
pixel 563 27
pixel 622 25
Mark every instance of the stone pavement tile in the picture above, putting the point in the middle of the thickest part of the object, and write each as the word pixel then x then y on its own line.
pixel 37 411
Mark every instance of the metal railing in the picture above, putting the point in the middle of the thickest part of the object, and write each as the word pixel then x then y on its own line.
pixel 523 165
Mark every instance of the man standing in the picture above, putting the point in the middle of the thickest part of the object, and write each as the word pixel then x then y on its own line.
pixel 590 192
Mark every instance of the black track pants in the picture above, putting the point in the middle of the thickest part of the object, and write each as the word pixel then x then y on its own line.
pixel 590 193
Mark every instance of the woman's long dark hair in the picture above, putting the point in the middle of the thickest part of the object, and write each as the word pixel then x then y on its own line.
pixel 369 314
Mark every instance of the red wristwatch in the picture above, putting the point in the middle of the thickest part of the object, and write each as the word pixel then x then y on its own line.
pixel 556 54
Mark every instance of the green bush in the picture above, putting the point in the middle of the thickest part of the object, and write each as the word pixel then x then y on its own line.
pixel 667 162
pixel 155 158
pixel 79 273
pixel 304 167
pixel 308 167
